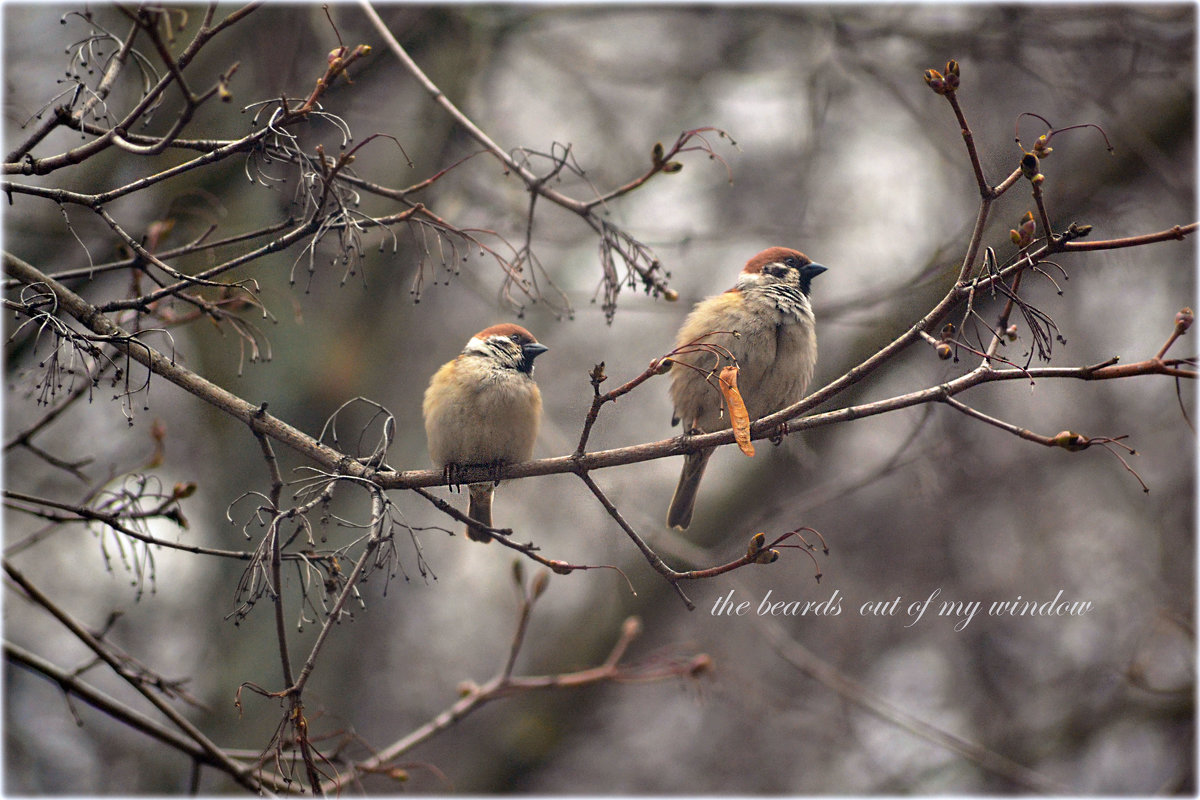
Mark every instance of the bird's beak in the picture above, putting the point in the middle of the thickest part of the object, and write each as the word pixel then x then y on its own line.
pixel 811 271
pixel 533 350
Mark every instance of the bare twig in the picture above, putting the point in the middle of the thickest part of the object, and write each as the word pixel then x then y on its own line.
pixel 220 759
pixel 824 673
pixel 504 684
pixel 646 268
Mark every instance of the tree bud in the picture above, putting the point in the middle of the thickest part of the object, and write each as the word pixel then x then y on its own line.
pixel 1071 441
pixel 767 557
pixel 1030 166
pixel 935 81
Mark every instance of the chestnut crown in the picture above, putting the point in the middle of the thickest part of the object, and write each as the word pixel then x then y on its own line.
pixel 785 265
pixel 510 345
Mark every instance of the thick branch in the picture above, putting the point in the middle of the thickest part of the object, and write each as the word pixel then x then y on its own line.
pixel 335 461
pixel 253 416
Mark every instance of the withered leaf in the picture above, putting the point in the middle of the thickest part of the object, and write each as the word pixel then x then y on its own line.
pixel 739 418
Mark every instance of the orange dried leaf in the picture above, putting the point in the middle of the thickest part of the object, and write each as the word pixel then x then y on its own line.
pixel 739 418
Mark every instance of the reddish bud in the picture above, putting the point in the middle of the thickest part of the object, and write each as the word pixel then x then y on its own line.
pixel 943 350
pixel 1184 320
pixel 1023 235
pixel 699 666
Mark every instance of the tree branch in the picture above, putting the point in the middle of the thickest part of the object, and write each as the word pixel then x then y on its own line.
pixel 219 758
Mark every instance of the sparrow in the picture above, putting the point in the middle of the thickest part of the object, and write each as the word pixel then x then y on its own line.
pixel 483 408
pixel 775 350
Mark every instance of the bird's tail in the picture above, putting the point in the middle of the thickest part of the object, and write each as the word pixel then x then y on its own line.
pixel 480 510
pixel 679 515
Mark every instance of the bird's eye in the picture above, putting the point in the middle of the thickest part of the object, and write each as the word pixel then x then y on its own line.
pixel 792 262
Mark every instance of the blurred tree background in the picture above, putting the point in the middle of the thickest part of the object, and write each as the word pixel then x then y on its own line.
pixel 842 152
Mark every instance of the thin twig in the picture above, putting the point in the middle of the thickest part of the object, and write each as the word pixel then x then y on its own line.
pixel 220 759
pixel 824 673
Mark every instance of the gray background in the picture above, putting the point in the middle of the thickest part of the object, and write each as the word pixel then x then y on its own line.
pixel 843 153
